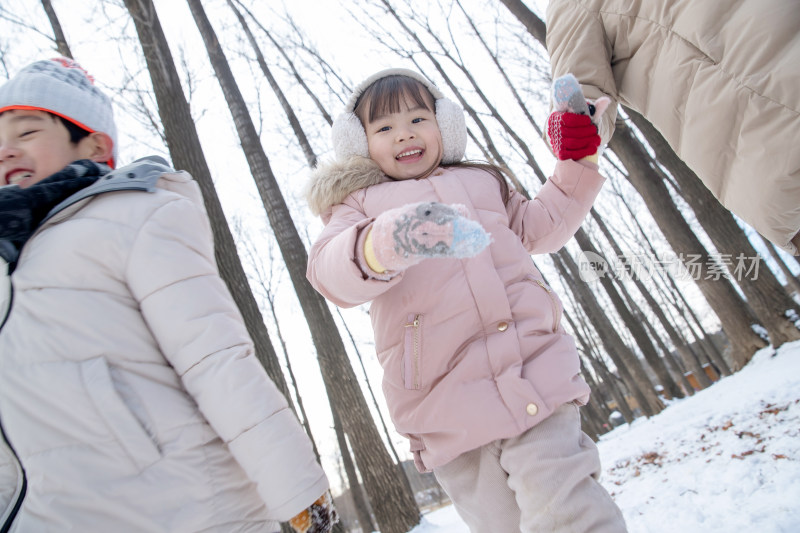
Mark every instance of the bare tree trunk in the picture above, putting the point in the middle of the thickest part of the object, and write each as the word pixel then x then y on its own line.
pixel 797 260
pixel 610 382
pixel 58 33
pixel 395 508
pixel 591 421
pixel 292 378
pixel 598 400
pixel 186 153
pixel 764 293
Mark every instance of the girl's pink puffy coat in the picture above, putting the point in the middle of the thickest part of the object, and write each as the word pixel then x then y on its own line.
pixel 472 350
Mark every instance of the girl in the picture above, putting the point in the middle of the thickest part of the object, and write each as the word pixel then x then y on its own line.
pixel 479 374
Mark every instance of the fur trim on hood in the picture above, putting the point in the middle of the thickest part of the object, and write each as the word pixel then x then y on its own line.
pixel 332 181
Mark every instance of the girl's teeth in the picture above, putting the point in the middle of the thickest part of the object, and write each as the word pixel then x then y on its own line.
pixel 412 152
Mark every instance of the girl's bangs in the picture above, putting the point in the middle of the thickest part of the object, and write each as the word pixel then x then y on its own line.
pixel 387 95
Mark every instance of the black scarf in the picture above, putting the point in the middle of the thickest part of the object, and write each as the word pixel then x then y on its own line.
pixel 22 210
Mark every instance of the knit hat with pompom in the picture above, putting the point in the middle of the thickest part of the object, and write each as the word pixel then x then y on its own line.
pixel 62 87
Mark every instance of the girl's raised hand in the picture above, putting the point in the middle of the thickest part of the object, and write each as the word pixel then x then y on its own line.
pixel 571 128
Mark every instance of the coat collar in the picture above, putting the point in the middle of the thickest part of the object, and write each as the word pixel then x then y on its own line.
pixel 141 175
pixel 331 182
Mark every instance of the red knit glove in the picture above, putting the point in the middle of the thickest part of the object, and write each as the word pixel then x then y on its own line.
pixel 572 136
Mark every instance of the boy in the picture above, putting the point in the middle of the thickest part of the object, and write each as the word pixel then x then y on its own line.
pixel 130 396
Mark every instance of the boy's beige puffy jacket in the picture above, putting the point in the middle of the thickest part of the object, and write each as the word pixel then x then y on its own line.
pixel 719 78
pixel 129 388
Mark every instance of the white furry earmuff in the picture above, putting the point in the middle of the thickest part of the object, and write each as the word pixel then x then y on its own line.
pixel 350 139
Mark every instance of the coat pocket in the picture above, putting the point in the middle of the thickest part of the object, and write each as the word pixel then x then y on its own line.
pixel 553 302
pixel 126 428
pixel 412 353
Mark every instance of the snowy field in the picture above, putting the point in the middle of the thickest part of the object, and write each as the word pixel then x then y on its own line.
pixel 726 460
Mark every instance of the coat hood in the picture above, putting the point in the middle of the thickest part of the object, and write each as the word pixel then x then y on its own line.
pixel 331 182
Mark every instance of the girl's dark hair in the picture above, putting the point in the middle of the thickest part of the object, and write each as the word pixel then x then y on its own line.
pixel 386 96
pixel 76 133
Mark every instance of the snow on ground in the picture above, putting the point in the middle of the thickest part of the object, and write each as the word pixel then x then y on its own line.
pixel 725 460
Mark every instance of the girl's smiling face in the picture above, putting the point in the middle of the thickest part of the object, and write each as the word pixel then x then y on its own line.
pixel 402 133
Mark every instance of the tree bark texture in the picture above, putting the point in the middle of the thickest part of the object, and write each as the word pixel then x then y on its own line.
pixel 668 284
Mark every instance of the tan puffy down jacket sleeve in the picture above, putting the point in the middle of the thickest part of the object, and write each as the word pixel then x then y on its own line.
pixel 718 79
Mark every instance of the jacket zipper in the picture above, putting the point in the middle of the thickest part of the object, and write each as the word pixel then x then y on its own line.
pixel 5 527
pixel 10 303
pixel 556 315
pixel 414 325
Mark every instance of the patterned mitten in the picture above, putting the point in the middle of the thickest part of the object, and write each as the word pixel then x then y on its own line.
pixel 319 518
pixel 571 128
pixel 404 236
